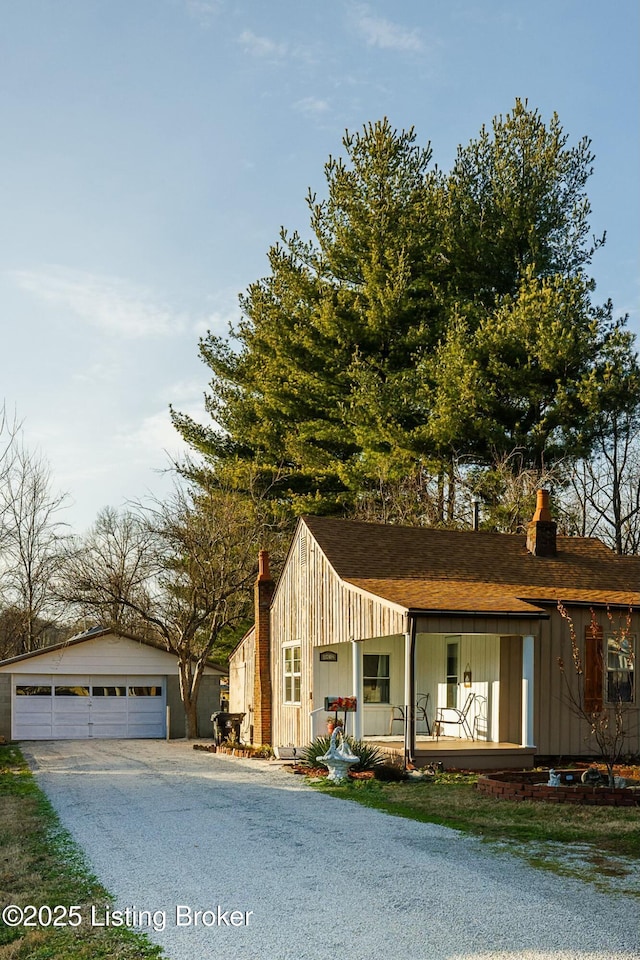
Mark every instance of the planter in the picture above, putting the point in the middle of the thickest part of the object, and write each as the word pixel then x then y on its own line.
pixel 533 785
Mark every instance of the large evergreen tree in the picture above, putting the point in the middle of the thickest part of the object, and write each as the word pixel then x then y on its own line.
pixel 429 317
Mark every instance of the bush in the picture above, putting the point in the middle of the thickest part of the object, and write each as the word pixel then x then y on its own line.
pixel 369 756
pixel 390 773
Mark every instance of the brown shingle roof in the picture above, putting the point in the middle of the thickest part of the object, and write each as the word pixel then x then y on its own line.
pixel 422 568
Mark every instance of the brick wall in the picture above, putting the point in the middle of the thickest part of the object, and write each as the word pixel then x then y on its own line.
pixel 523 786
pixel 262 714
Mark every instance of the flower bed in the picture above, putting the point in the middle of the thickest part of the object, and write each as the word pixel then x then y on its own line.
pixel 533 785
pixel 307 771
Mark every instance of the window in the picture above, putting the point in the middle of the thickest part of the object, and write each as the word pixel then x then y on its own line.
pixel 376 683
pixel 32 690
pixel 109 691
pixel 452 673
pixel 292 674
pixel 145 691
pixel 620 669
pixel 65 691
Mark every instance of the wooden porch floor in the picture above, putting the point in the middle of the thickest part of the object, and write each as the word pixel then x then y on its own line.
pixel 458 754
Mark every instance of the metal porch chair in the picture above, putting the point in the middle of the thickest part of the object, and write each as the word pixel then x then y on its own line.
pixel 456 716
pixel 480 719
pixel 420 712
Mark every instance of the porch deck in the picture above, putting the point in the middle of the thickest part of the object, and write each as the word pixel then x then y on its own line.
pixel 459 754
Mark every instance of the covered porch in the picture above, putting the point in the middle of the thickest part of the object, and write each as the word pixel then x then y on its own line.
pixel 459 691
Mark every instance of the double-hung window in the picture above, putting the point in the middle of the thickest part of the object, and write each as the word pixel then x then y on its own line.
pixel 376 678
pixel 292 673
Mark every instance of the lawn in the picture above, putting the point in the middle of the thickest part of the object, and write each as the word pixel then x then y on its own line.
pixel 41 866
pixel 452 800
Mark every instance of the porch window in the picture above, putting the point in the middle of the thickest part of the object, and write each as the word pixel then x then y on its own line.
pixel 620 669
pixel 376 678
pixel 292 674
pixel 452 673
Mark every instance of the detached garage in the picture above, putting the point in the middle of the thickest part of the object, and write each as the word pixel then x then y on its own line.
pixel 98 685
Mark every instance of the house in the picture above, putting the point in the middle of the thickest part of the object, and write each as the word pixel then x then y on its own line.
pixel 98 684
pixel 457 622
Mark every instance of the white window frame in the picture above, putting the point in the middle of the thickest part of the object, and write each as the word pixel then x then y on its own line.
pixel 384 677
pixel 292 673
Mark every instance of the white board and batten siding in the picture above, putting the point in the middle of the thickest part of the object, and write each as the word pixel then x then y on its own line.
pixel 312 607
pixel 241 677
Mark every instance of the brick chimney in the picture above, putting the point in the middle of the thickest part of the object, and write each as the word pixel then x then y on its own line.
pixel 263 592
pixel 541 532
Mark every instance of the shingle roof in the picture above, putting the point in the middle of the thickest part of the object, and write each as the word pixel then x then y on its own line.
pixel 423 568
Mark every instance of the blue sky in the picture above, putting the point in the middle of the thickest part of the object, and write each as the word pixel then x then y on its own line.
pixel 153 148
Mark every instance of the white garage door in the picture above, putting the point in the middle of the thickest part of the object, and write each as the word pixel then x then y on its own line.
pixel 79 708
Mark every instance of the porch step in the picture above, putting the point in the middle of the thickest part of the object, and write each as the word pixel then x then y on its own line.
pixel 465 754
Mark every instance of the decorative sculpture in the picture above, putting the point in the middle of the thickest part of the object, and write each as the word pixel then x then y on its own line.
pixel 592 776
pixel 338 758
pixel 554 779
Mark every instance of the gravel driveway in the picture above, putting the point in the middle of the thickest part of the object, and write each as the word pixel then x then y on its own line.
pixel 279 871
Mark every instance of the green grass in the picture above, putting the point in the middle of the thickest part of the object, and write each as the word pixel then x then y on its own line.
pixel 40 865
pixel 451 800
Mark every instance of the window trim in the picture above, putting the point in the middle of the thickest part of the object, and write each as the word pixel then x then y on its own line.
pixel 452 680
pixel 290 676
pixel 387 677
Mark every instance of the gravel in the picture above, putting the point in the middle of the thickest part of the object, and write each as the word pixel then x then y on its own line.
pixel 280 871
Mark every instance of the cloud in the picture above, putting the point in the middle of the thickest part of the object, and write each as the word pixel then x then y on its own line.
pixel 312 106
pixel 379 32
pixel 203 11
pixel 111 304
pixel 262 47
pixel 153 434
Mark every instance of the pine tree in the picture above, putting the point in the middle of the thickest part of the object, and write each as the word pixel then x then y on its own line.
pixel 429 319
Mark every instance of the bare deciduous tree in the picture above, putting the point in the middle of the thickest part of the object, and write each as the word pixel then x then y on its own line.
pixel 603 495
pixel 177 574
pixel 606 722
pixel 30 542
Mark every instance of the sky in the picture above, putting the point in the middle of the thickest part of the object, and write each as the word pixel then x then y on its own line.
pixel 152 149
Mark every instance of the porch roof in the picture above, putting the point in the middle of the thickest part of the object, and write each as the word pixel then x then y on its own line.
pixel 480 597
pixel 422 568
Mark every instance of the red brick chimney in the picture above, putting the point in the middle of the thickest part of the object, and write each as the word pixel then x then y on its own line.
pixel 263 593
pixel 541 532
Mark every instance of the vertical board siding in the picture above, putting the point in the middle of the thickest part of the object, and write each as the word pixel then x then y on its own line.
pixel 241 675
pixel 314 607
pixel 559 731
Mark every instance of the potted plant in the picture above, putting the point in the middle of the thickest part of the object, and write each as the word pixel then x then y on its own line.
pixel 332 723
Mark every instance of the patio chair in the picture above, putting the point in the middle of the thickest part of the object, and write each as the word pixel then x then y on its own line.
pixel 420 713
pixel 456 716
pixel 422 706
pixel 480 719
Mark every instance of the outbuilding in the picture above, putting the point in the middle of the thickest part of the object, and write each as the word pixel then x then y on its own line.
pixel 98 685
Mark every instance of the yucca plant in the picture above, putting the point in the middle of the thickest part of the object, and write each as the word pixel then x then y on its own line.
pixel 369 756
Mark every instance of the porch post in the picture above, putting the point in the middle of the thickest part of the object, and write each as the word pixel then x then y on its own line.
pixel 358 688
pixel 409 692
pixel 527 691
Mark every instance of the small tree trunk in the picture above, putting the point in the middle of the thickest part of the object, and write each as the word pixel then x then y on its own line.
pixel 191 719
pixel 190 677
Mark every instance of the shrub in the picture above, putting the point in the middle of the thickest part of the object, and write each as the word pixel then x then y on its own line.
pixel 390 773
pixel 369 756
